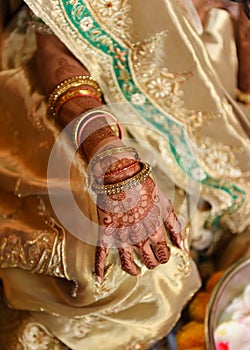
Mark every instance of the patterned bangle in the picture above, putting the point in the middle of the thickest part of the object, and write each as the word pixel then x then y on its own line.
pixel 243 97
pixel 87 117
pixel 70 95
pixel 125 184
pixel 37 24
pixel 111 151
pixel 121 170
pixel 69 83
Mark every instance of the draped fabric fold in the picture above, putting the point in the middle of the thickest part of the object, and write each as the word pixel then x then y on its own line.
pixel 156 74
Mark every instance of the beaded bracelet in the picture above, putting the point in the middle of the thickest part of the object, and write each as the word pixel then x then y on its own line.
pixel 243 97
pixel 125 184
pixel 89 116
pixel 37 24
pixel 66 85
pixel 70 95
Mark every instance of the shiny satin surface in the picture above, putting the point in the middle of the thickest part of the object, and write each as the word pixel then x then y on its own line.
pixel 121 311
pixel 201 101
pixel 124 312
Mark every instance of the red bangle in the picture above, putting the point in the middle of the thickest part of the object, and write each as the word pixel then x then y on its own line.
pixel 119 171
pixel 67 96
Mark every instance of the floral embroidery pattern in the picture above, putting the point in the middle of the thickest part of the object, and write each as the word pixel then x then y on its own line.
pixel 86 24
pixel 219 158
pixel 36 337
pixel 107 8
pixel 75 11
pixel 114 13
pixel 159 88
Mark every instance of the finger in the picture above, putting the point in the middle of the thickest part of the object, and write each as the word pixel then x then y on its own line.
pixel 127 262
pixel 174 228
pixel 100 258
pixel 161 251
pixel 147 254
pixel 159 246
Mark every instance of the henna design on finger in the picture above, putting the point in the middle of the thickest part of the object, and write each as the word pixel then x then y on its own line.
pixel 161 251
pixel 148 261
pixel 147 255
pixel 100 258
pixel 174 228
pixel 127 262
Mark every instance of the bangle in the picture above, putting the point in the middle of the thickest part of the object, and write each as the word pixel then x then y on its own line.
pixel 37 24
pixel 66 85
pixel 70 95
pixel 111 151
pixel 125 184
pixel 121 170
pixel 243 97
pixel 87 117
pixel 118 171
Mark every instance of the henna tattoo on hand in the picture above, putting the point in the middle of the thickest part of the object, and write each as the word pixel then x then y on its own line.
pixel 135 220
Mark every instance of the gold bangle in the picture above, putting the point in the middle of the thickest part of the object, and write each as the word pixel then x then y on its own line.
pixel 125 184
pixel 66 85
pixel 111 151
pixel 243 97
pixel 69 95
pixel 37 24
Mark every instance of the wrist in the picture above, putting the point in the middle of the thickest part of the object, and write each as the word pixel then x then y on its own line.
pixel 73 108
pixel 121 170
pixel 97 141
pixel 95 130
pixel 243 97
pixel 114 163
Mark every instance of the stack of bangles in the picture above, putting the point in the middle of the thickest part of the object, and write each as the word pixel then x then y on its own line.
pixel 124 185
pixel 118 187
pixel 84 119
pixel 87 86
pixel 78 86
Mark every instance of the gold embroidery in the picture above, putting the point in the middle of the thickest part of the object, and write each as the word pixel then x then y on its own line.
pixel 80 327
pixel 164 87
pixel 36 336
pixel 57 263
pixel 114 13
pixel 102 290
pixel 41 254
pixel 183 264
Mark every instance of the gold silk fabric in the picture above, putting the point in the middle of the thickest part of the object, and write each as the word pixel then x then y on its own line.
pixel 47 270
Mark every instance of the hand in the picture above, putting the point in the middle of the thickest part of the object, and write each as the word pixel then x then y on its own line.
pixel 134 221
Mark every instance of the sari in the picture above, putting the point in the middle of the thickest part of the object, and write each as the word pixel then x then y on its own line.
pixel 156 74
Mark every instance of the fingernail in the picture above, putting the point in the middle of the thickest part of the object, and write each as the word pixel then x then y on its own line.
pixel 98 279
pixel 181 245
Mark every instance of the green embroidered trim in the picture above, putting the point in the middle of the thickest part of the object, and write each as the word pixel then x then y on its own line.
pixel 78 14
